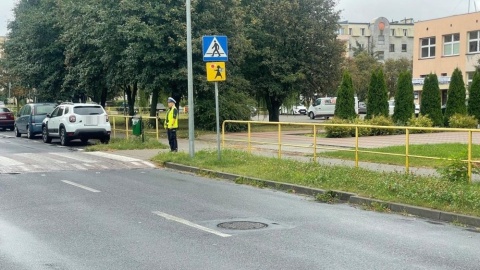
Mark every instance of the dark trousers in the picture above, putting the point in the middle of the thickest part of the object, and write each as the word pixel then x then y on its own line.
pixel 172 138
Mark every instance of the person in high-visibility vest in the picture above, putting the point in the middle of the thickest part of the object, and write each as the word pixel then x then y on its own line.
pixel 171 124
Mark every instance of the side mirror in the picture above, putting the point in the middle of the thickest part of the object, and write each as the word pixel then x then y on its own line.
pixel 48 115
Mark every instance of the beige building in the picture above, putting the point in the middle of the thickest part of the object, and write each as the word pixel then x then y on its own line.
pixel 443 44
pixel 2 42
pixel 388 40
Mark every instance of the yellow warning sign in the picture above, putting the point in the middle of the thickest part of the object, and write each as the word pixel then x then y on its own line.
pixel 216 71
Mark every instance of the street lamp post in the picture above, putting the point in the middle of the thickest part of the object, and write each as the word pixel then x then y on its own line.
pixel 191 133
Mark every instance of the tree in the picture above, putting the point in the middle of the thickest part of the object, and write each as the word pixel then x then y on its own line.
pixel 377 99
pixel 293 45
pixel 456 96
pixel 404 106
pixel 430 104
pixel 474 97
pixel 393 68
pixel 345 104
pixel 360 68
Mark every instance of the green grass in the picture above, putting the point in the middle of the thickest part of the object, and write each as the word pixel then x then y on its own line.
pixel 130 144
pixel 444 151
pixel 409 189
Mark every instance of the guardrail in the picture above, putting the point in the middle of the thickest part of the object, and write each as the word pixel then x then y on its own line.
pixel 310 143
pixel 120 124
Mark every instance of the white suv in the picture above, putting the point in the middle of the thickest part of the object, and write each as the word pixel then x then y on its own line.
pixel 71 121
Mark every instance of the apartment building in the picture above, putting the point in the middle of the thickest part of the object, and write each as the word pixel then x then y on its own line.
pixel 387 40
pixel 443 44
pixel 2 42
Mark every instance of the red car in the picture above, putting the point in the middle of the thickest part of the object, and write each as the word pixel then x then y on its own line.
pixel 7 119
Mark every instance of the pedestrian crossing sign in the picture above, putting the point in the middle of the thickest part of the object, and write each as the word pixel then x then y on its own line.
pixel 215 48
pixel 216 72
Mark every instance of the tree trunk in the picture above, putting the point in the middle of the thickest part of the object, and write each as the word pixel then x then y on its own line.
pixel 131 95
pixel 103 98
pixel 273 106
pixel 153 106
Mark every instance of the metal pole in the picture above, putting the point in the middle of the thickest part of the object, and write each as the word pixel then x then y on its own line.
pixel 9 87
pixel 217 112
pixel 191 126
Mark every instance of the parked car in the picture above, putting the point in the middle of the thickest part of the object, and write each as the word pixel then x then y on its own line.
pixel 417 109
pixel 7 119
pixel 161 107
pixel 30 117
pixel 362 108
pixel 71 121
pixel 323 107
pixel 391 106
pixel 299 109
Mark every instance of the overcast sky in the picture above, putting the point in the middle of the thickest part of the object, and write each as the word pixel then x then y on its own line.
pixel 352 10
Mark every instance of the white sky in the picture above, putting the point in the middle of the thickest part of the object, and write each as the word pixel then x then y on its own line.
pixel 352 10
pixel 395 10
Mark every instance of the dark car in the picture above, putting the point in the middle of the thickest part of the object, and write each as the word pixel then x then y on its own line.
pixel 30 117
pixel 7 119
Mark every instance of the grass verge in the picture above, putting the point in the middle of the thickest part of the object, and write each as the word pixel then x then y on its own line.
pixel 428 192
pixel 127 144
pixel 443 151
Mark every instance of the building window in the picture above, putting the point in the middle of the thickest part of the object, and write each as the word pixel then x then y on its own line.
pixel 381 40
pixel 474 42
pixel 393 32
pixel 470 77
pixel 405 32
pixel 404 47
pixel 427 47
pixel 341 31
pixel 350 31
pixel 451 44
pixel 392 47
pixel 363 31
pixel 381 55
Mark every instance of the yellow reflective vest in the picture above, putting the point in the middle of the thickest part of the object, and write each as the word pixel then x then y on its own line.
pixel 171 119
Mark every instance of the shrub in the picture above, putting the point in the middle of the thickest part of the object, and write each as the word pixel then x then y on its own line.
pixel 462 121
pixel 382 121
pixel 431 101
pixel 420 121
pixel 404 106
pixel 337 131
pixel 474 97
pixel 345 104
pixel 362 131
pixel 456 96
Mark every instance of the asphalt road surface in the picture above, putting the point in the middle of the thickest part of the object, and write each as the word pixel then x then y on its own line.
pixel 133 216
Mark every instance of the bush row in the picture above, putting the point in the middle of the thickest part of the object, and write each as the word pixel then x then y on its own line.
pixel 455 121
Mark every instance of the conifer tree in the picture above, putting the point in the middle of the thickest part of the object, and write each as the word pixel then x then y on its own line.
pixel 404 106
pixel 456 96
pixel 474 97
pixel 430 104
pixel 372 96
pixel 345 104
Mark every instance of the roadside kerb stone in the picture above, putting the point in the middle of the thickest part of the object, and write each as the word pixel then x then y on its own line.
pixel 342 196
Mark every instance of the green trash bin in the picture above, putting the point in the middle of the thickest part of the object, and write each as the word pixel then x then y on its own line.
pixel 137 126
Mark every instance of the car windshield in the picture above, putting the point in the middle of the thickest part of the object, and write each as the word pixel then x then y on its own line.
pixel 43 109
pixel 88 110
pixel 4 110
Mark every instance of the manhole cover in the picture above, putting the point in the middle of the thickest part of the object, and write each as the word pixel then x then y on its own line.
pixel 242 225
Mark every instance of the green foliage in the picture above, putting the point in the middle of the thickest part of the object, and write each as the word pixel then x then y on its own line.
pixel 462 121
pixel 377 100
pixel 393 68
pixel 230 109
pixel 404 106
pixel 382 121
pixel 362 131
pixel 328 196
pixel 360 68
pixel 128 144
pixel 420 121
pixel 431 101
pixel 474 97
pixel 456 170
pixel 345 104
pixel 339 131
pixel 456 96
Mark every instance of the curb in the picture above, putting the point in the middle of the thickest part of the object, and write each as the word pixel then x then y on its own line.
pixel 341 195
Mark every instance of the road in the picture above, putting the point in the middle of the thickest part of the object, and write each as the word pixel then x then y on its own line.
pixel 133 216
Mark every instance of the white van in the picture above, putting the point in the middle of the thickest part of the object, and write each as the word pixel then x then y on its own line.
pixel 325 107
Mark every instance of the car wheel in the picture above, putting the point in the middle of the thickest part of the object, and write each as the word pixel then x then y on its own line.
pixel 63 137
pixel 105 140
pixel 84 140
pixel 17 133
pixel 29 133
pixel 45 137
pixel 311 115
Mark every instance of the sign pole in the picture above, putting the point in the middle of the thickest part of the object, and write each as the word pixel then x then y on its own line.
pixel 218 121
pixel 191 125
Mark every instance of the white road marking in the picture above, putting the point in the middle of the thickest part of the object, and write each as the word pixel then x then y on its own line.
pixel 80 186
pixel 78 167
pixel 75 156
pixel 113 156
pixel 41 158
pixel 136 163
pixel 9 162
pixel 149 164
pixel 191 224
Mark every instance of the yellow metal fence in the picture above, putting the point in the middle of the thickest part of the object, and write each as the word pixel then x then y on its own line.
pixel 304 138
pixel 121 126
